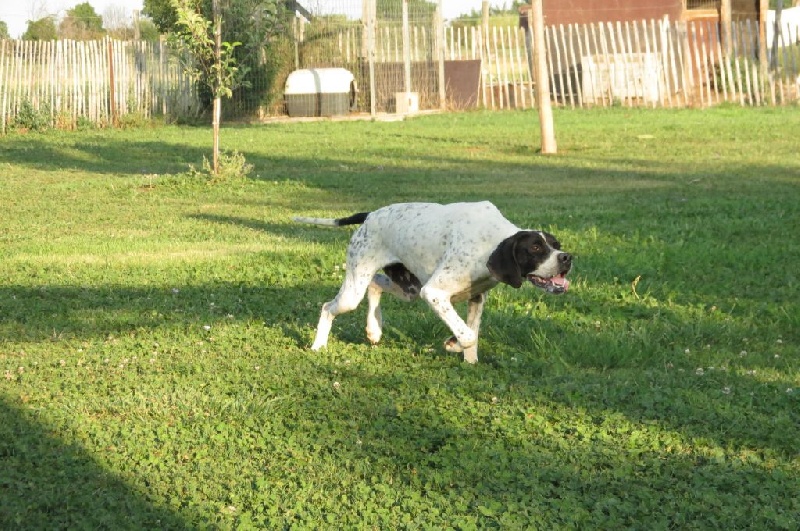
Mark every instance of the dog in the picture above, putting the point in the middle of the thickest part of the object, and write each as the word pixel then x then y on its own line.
pixel 443 254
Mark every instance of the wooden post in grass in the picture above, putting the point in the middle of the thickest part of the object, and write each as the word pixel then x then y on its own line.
pixel 112 88
pixel 763 8
pixel 542 86
pixel 406 50
pixel 725 15
pixel 440 40
pixel 369 15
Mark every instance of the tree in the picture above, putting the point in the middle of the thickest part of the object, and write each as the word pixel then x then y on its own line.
pixel 253 23
pixel 43 29
pixel 82 23
pixel 162 13
pixel 206 58
pixel 4 30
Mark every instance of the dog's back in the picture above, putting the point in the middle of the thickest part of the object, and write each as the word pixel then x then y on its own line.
pixel 424 235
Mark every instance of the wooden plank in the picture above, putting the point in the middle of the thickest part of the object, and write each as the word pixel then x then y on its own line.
pixel 704 62
pixel 3 84
pixel 583 51
pixel 697 66
pixel 548 34
pixel 503 66
pixel 735 43
pixel 599 57
pixel 569 64
pixel 574 64
pixel 746 50
pixel 719 58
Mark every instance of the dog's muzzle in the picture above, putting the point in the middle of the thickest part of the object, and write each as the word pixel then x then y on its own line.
pixel 557 284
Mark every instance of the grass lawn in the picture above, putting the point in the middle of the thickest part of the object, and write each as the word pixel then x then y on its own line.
pixel 154 330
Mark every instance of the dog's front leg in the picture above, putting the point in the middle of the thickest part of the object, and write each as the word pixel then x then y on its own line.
pixel 474 312
pixel 439 301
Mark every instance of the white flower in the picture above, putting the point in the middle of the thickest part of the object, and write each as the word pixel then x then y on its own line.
pixel 206 327
pixel 336 385
pixel 699 371
pixel 726 390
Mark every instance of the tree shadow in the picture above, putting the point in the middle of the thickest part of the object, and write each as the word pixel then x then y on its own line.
pixel 49 483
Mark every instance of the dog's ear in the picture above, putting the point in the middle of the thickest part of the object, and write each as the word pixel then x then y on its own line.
pixel 502 263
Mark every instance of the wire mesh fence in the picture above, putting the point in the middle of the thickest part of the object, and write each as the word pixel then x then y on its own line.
pixel 391 48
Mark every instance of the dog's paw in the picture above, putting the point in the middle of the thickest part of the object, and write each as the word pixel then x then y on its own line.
pixel 452 345
pixel 374 336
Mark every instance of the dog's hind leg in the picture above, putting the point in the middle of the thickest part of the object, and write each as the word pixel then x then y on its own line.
pixel 382 283
pixel 350 294
pixel 379 284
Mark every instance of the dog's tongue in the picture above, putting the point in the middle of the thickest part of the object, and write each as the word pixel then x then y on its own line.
pixel 561 280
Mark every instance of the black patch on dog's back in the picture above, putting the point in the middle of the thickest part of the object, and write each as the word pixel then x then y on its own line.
pixel 404 278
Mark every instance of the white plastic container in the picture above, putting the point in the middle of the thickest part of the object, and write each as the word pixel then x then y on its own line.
pixel 320 92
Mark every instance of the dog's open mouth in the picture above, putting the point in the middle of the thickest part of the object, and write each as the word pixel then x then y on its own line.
pixel 557 284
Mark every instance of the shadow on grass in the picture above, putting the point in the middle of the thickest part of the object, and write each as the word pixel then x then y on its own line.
pixel 48 483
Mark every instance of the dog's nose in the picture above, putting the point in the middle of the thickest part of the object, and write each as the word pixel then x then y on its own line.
pixel 565 258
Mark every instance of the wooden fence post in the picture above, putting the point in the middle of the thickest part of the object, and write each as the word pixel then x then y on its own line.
pixel 440 55
pixel 542 87
pixel 112 88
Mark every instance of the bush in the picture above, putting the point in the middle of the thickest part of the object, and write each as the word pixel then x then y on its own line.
pixel 232 167
pixel 29 118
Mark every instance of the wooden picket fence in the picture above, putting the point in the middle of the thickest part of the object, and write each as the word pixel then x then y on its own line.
pixel 649 62
pixel 652 63
pixel 645 63
pixel 100 81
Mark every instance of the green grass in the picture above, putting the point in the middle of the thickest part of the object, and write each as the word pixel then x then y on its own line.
pixel 154 330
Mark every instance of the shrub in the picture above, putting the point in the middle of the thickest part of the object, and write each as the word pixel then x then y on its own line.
pixel 29 118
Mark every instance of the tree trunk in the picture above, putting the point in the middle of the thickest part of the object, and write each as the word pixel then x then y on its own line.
pixel 217 99
pixel 215 125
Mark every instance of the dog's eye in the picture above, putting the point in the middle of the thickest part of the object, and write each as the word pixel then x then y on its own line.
pixel 536 248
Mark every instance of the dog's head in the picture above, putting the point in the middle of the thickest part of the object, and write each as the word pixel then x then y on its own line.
pixel 535 255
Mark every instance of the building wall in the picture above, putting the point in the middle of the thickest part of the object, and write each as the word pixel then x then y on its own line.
pixel 588 11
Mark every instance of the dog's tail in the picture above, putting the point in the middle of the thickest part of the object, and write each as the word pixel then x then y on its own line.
pixel 355 219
